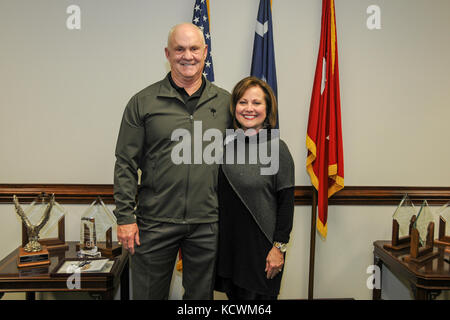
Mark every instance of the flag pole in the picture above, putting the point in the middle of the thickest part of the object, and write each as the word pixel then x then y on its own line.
pixel 312 243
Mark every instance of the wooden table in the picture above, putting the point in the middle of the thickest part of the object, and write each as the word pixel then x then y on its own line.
pixel 31 280
pixel 426 280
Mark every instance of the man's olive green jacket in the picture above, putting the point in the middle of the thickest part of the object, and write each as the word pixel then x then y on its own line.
pixel 183 193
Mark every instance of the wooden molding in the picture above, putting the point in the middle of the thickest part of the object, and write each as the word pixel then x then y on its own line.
pixel 352 195
pixel 372 195
pixel 64 193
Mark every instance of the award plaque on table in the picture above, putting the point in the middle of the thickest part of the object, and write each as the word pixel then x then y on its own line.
pixel 32 253
pixel 90 266
pixel 402 222
pixel 97 230
pixel 444 225
pixel 86 267
pixel 52 234
pixel 422 237
pixel 33 259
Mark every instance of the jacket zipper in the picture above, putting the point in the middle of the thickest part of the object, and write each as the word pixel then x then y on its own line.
pixel 191 119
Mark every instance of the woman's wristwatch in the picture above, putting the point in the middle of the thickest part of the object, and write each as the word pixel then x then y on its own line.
pixel 280 245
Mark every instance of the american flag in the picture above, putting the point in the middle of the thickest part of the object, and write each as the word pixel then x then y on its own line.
pixel 263 60
pixel 201 19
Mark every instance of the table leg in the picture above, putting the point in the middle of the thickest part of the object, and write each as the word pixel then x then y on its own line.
pixel 108 295
pixel 125 282
pixel 420 294
pixel 424 294
pixel 376 292
pixel 30 295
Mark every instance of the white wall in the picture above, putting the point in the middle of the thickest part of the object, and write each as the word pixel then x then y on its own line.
pixel 63 94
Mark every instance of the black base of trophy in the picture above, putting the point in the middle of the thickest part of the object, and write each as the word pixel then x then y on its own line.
pixel 32 259
pixel 420 254
pixel 108 251
pixel 400 243
pixel 443 238
pixel 34 271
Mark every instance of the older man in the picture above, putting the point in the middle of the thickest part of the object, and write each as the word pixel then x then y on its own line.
pixel 176 205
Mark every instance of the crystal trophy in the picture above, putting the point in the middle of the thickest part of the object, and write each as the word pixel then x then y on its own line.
pixel 402 220
pixel 403 214
pixel 444 224
pixel 422 237
pixel 88 235
pixel 98 228
pixel 424 218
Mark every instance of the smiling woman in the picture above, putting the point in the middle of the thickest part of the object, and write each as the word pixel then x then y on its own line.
pixel 253 105
pixel 255 209
pixel 251 109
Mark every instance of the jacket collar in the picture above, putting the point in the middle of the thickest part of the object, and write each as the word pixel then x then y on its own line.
pixel 167 91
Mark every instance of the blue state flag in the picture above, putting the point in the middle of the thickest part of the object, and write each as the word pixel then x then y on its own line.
pixel 263 60
pixel 201 19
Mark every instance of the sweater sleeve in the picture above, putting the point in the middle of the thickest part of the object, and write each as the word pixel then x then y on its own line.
pixel 285 215
pixel 128 158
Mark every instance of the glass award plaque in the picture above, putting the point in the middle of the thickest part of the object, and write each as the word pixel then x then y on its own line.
pixel 444 224
pixel 88 236
pixel 402 221
pixel 98 228
pixel 422 237
pixel 424 218
pixel 403 215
